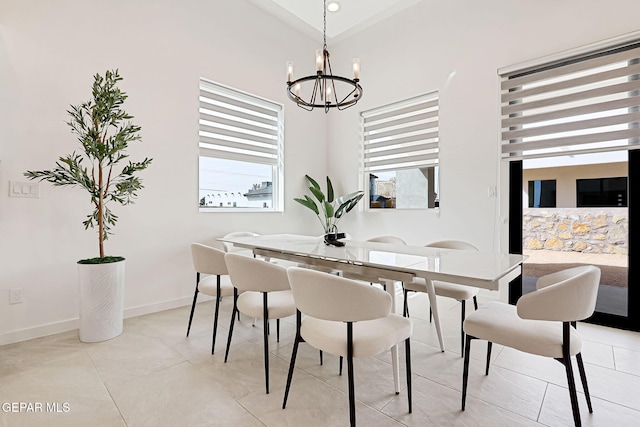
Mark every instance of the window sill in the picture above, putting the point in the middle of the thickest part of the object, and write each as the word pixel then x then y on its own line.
pixel 237 210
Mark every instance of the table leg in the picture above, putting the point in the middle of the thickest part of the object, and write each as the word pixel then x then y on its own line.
pixel 434 310
pixel 390 285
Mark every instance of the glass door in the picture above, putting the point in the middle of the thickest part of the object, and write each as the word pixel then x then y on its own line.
pixel 574 210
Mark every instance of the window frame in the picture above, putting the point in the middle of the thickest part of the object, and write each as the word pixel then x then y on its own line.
pixel 269 152
pixel 532 193
pixel 601 184
pixel 422 134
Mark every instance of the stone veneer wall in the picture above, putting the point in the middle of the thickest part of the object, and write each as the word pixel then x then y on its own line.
pixel 592 230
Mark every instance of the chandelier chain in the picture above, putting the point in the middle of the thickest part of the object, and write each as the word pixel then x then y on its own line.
pixel 325 25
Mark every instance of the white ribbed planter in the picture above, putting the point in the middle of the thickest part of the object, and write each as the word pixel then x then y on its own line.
pixel 101 300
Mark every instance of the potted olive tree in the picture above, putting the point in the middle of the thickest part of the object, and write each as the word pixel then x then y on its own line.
pixel 330 209
pixel 104 131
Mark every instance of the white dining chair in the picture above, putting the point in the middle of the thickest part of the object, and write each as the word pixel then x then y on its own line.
pixel 210 261
pixel 379 239
pixel 261 290
pixel 543 322
pixel 387 239
pixel 460 293
pixel 345 318
pixel 230 247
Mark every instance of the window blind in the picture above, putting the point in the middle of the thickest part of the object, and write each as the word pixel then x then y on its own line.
pixel 237 126
pixel 584 104
pixel 402 135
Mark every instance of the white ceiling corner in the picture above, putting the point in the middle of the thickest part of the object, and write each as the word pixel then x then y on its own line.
pixel 306 16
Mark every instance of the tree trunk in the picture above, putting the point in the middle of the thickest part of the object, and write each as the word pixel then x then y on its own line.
pixel 100 212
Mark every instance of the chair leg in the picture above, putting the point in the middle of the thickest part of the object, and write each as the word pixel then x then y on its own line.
pixel 352 390
pixel 265 325
pixel 465 372
pixel 340 373
pixel 215 315
pixel 463 303
pixel 583 378
pixel 407 351
pixel 278 330
pixel 193 305
pixel 405 311
pixel 233 318
pixel 475 302
pixel 321 361
pixel 566 361
pixel 489 346
pixel 215 324
pixel 292 364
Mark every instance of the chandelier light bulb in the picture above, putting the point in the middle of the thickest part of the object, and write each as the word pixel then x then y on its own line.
pixel 319 60
pixel 289 71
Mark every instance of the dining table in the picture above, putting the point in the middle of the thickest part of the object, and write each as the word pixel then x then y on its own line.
pixel 391 265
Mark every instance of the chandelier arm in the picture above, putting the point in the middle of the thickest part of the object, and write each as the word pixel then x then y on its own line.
pixel 335 93
pixel 342 101
pixel 345 106
pixel 299 101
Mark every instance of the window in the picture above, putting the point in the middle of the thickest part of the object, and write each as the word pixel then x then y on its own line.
pixel 400 144
pixel 601 192
pixel 542 193
pixel 241 149
pixel 587 103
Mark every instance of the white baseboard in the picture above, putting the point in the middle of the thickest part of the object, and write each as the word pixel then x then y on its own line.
pixel 39 331
pixel 141 310
pixel 71 324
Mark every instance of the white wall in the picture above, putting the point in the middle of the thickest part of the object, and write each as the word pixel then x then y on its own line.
pixel 49 51
pixel 456 47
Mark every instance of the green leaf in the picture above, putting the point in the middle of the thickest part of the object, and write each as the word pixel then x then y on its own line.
pixel 354 202
pixel 318 193
pixel 349 204
pixel 340 200
pixel 328 209
pixel 329 191
pixel 340 210
pixel 309 204
pixel 313 182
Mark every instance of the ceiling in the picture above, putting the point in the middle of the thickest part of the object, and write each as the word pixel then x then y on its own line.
pixel 353 15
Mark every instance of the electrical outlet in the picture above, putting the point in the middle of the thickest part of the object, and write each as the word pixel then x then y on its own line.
pixel 15 296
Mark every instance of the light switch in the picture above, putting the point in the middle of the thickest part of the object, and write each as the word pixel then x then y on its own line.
pixel 24 189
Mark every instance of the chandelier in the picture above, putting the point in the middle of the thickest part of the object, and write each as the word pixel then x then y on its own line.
pixel 323 89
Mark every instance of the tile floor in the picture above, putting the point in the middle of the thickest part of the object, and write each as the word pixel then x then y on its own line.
pixel 152 375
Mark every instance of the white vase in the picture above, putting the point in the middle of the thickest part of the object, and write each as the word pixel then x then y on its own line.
pixel 101 300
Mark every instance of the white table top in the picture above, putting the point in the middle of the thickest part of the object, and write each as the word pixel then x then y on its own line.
pixel 482 269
